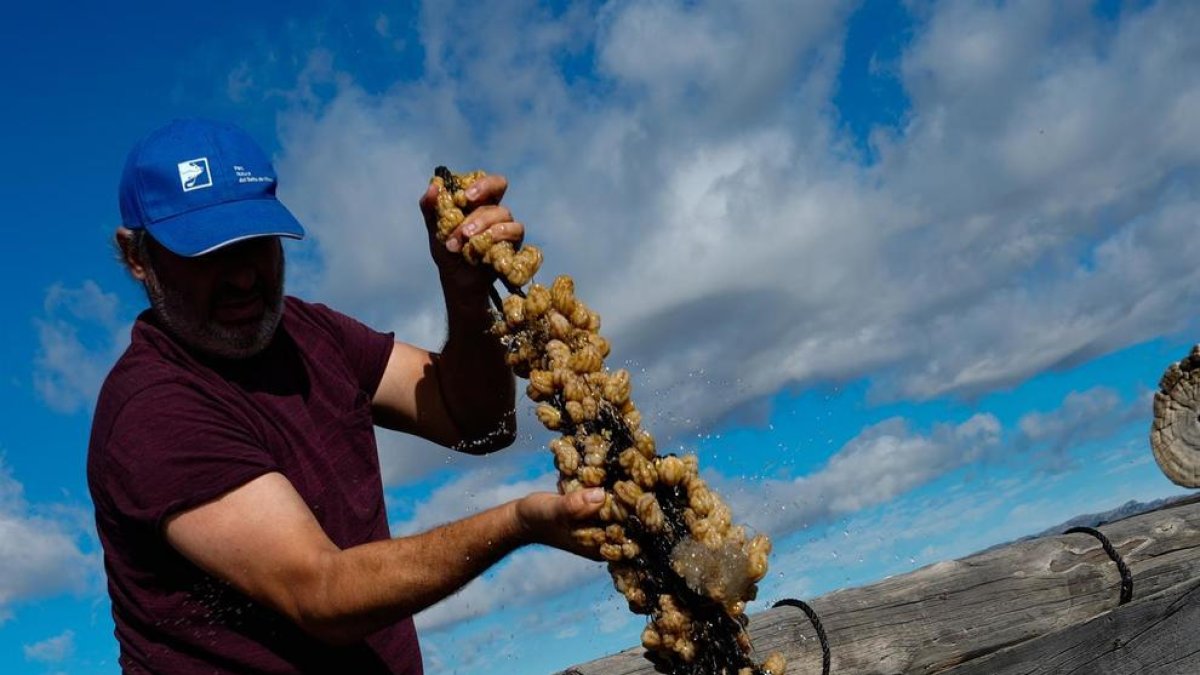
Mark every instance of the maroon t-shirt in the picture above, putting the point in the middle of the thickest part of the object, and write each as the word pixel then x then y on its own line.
pixel 173 430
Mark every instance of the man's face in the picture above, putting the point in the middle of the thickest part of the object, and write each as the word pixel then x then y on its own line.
pixel 226 303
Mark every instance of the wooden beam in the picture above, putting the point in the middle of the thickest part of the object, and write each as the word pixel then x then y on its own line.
pixel 1157 635
pixel 949 613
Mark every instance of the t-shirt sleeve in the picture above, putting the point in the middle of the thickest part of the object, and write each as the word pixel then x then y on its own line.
pixel 173 448
pixel 366 349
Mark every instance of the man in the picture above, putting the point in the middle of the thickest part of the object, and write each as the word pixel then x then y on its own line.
pixel 232 461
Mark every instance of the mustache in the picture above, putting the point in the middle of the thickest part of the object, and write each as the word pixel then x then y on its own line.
pixel 236 297
pixel 230 295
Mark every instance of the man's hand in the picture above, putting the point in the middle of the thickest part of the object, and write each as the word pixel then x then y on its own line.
pixel 483 214
pixel 463 397
pixel 548 518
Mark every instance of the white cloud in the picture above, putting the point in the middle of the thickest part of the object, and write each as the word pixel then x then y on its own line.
pixel 52 650
pixel 405 459
pixel 738 59
pixel 526 578
pixel 40 554
pixel 889 541
pixel 1032 212
pixel 887 460
pixel 471 492
pixel 567 631
pixel 1083 416
pixel 882 463
pixel 80 336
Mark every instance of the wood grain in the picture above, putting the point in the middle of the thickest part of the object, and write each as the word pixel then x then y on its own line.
pixel 938 618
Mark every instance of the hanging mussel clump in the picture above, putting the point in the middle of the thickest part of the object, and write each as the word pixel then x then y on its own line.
pixel 670 542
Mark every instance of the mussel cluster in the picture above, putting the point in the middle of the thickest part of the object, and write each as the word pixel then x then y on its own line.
pixel 670 542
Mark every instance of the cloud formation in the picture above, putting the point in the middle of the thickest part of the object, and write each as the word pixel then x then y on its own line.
pixel 80 336
pixel 468 493
pixel 883 462
pixel 887 460
pixel 40 554
pixel 1083 416
pixel 1031 211
pixel 52 650
pixel 528 577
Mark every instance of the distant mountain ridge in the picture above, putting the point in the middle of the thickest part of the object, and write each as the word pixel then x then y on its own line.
pixel 1129 509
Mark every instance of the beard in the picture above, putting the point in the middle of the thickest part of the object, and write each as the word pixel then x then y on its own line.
pixel 207 336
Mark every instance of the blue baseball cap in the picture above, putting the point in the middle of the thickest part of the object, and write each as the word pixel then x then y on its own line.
pixel 197 185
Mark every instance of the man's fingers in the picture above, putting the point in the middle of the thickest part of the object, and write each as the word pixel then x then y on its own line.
pixel 487 190
pixel 483 214
pixel 484 217
pixel 496 220
pixel 506 231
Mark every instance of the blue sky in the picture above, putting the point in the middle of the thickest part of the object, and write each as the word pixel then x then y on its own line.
pixel 904 275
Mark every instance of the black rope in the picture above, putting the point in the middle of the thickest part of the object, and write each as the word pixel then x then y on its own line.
pixel 1126 575
pixel 496 301
pixel 816 622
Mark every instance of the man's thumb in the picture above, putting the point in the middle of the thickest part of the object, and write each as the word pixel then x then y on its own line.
pixel 585 503
pixel 428 204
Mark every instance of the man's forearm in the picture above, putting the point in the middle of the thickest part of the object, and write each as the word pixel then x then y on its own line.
pixel 477 386
pixel 363 589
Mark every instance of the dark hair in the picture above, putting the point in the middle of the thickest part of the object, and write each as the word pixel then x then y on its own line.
pixel 140 240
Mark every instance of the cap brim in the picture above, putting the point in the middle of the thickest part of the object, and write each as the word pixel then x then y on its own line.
pixel 205 230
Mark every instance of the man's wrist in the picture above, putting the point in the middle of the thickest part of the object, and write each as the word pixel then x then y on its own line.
pixel 522 531
pixel 467 280
pixel 467 298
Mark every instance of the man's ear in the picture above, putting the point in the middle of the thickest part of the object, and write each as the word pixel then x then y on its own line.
pixel 131 253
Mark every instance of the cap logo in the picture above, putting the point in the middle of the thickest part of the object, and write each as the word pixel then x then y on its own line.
pixel 193 174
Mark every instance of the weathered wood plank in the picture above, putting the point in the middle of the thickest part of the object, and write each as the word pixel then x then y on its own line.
pixel 1154 636
pixel 943 615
